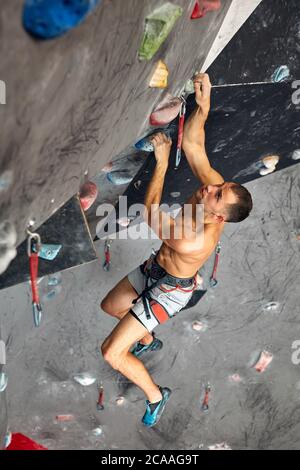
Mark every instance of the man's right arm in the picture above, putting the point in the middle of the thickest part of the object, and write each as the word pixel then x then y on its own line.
pixel 194 135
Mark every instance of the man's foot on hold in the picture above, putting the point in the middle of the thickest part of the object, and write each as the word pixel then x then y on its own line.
pixel 140 348
pixel 155 410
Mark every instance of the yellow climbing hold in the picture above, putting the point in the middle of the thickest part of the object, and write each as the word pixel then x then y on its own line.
pixel 160 77
pixel 271 161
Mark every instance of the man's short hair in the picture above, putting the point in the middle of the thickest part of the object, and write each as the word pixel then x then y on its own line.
pixel 242 207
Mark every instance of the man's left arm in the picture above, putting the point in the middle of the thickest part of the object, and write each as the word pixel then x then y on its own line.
pixel 159 221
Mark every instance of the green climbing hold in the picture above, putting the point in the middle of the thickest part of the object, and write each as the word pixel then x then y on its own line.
pixel 157 28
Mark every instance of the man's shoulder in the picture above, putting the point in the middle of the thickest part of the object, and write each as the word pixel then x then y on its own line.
pixel 212 232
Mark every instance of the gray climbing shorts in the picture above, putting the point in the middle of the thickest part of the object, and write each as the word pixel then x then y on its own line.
pixel 165 300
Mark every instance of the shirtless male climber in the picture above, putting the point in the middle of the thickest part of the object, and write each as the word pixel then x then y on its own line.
pixel 163 285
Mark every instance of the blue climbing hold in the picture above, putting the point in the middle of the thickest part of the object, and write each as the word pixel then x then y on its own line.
pixel 281 74
pixel 145 145
pixel 46 19
pixel 119 177
pixel 49 252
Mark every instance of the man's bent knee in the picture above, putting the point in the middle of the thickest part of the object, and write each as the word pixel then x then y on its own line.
pixel 110 355
pixel 106 306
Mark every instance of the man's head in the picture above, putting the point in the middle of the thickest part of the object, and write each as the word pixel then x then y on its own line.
pixel 227 202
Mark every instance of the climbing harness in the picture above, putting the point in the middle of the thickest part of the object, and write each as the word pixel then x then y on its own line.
pixel 33 249
pixel 204 406
pixel 106 264
pixel 180 130
pixel 213 281
pixel 153 270
pixel 100 402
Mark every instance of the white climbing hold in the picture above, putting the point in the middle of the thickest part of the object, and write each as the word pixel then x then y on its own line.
pixel 97 431
pixel 2 353
pixel 175 194
pixel 85 379
pixel 271 306
pixel 120 401
pixel 296 154
pixel 8 240
pixel 266 171
pixel 221 446
pixel 197 326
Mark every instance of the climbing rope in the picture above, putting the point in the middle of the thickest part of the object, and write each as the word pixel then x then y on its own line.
pixel 100 402
pixel 33 248
pixel 205 406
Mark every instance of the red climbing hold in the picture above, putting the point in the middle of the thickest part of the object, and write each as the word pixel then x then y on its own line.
pixel 21 442
pixel 88 194
pixel 204 6
pixel 166 111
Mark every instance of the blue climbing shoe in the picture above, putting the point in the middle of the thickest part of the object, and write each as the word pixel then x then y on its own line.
pixel 140 349
pixel 151 417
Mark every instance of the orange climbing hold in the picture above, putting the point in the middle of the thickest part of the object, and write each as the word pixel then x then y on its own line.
pixel 160 77
pixel 202 7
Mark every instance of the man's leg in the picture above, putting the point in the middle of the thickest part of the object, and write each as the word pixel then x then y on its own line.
pixel 118 302
pixel 115 350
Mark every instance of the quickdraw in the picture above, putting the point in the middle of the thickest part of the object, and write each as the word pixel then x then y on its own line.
pixel 33 248
pixel 100 402
pixel 180 130
pixel 213 280
pixel 106 264
pixel 205 406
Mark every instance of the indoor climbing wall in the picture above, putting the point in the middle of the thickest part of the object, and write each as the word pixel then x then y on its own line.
pixel 75 102
pixel 82 116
